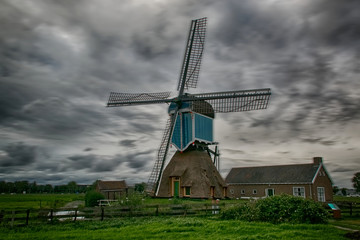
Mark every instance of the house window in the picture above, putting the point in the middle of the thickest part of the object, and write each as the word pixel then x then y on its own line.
pixel 321 194
pixel 242 191
pixel 299 191
pixel 232 191
pixel 254 191
pixel 187 191
pixel 269 192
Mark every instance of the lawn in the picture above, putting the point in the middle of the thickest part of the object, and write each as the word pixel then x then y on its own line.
pixel 172 228
pixel 36 201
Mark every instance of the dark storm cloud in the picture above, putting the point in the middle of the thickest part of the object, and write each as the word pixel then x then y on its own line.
pixel 101 163
pixel 17 154
pixel 127 143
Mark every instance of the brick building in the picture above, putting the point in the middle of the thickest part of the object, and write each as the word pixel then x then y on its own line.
pixel 305 180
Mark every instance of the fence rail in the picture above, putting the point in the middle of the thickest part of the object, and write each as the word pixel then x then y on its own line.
pixel 349 208
pixel 24 217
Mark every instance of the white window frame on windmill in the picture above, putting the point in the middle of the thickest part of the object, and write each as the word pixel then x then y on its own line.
pixel 196 120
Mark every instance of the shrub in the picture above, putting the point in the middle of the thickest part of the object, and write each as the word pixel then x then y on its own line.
pixel 92 197
pixel 246 212
pixel 279 209
pixel 134 199
pixel 286 208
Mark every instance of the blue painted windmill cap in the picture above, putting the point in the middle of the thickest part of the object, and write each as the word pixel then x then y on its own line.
pixel 201 107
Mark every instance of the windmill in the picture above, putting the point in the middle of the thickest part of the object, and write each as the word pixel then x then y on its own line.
pixel 190 124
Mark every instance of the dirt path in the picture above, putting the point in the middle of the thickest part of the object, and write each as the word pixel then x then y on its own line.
pixel 74 204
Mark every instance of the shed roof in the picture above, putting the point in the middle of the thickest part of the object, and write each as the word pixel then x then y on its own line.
pixel 282 174
pixel 112 185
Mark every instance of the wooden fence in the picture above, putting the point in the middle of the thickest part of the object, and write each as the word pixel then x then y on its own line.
pixel 349 208
pixel 25 217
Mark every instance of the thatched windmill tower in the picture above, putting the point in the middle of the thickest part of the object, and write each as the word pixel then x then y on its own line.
pixel 191 172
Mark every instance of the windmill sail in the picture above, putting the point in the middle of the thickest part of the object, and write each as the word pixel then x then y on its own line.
pixel 193 54
pixel 232 101
pixel 155 176
pixel 126 99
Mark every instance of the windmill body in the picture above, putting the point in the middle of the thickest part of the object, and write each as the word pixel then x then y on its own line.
pixel 191 171
pixel 192 125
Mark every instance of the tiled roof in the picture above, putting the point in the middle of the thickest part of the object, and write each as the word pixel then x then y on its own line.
pixel 299 173
pixel 112 185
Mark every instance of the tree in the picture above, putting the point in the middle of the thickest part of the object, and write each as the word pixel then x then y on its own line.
pixel 140 187
pixel 356 181
pixel 343 191
pixel 72 187
pixel 335 189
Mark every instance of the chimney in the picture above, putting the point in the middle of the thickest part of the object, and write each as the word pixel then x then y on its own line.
pixel 317 160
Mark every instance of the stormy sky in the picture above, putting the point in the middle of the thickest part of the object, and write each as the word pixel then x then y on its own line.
pixel 59 60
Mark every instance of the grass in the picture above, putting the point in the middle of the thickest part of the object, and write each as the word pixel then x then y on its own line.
pixel 346 199
pixel 352 223
pixel 172 228
pixel 36 201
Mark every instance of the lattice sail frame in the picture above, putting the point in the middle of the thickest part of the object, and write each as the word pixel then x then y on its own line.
pixel 194 50
pixel 126 99
pixel 234 101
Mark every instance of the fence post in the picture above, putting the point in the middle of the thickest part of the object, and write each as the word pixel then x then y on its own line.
pixel 27 216
pixel 51 215
pixel 350 205
pixel 75 214
pixel 157 210
pixel 2 213
pixel 12 218
pixel 102 213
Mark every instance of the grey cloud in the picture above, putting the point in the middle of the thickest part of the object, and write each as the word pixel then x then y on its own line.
pixel 127 143
pixel 18 154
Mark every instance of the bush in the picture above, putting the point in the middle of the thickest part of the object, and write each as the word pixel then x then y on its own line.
pixel 92 197
pixel 279 209
pixel 134 199
pixel 246 212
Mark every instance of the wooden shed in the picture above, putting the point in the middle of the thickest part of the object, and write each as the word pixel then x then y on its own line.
pixel 112 189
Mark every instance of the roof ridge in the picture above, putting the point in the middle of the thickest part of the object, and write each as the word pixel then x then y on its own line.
pixel 284 165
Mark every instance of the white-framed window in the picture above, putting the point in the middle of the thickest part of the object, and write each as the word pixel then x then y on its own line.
pixel 299 191
pixel 321 194
pixel 254 191
pixel 242 191
pixel 232 191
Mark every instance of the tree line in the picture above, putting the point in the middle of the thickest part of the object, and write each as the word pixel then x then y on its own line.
pixel 33 187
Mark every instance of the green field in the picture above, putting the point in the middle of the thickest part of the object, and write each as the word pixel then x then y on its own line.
pixel 36 201
pixel 160 227
pixel 172 228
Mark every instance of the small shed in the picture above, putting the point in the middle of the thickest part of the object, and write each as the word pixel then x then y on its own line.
pixel 112 189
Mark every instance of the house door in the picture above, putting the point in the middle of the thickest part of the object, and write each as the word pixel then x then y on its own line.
pixel 175 186
pixel 212 192
pixel 270 192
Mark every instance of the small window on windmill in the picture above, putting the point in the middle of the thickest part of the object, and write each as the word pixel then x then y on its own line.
pixel 232 191
pixel 187 191
pixel 242 191
pixel 254 191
